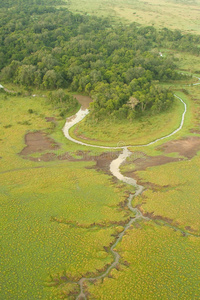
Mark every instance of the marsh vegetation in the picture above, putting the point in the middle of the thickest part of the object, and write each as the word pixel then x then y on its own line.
pixel 63 213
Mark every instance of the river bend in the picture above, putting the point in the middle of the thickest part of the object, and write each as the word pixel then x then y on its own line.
pixel 115 170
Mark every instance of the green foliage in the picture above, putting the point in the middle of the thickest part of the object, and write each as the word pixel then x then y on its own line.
pixel 62 101
pixel 50 48
pixel 135 130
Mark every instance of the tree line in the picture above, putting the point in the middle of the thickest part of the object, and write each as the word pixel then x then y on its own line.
pixel 120 66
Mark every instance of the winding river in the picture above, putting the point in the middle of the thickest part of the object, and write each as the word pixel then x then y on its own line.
pixel 82 113
pixel 115 170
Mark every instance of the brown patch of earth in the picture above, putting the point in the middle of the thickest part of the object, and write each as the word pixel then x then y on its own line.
pixel 187 147
pixel 50 119
pixel 83 100
pixel 151 216
pixel 147 185
pixel 45 157
pixel 144 162
pixel 189 228
pixel 52 156
pixel 167 220
pixel 38 142
pixel 195 131
pixel 102 161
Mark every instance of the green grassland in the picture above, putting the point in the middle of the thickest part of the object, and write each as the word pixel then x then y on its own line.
pixel 34 247
pixel 47 207
pixel 183 15
pixel 176 196
pixel 161 265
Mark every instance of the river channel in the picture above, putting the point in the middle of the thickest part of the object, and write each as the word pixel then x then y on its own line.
pixel 115 171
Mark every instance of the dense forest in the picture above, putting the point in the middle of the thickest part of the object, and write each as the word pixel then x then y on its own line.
pixel 46 47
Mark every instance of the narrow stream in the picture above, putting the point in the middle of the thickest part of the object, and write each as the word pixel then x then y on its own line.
pixel 115 170
pixel 82 113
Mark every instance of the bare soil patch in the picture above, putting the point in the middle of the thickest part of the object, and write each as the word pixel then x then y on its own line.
pixel 102 161
pixel 38 142
pixel 146 184
pixel 196 131
pixel 189 228
pixel 167 220
pixel 187 147
pixel 50 119
pixel 145 162
pixel 83 100
pixel 151 216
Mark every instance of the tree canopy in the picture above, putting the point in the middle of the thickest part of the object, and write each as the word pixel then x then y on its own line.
pixel 51 48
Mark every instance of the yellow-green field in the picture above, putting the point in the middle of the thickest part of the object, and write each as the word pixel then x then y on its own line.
pixel 177 195
pixel 161 265
pixel 59 218
pixel 183 15
pixel 35 247
pixel 47 207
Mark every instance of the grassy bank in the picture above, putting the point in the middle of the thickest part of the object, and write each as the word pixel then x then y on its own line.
pixel 137 132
